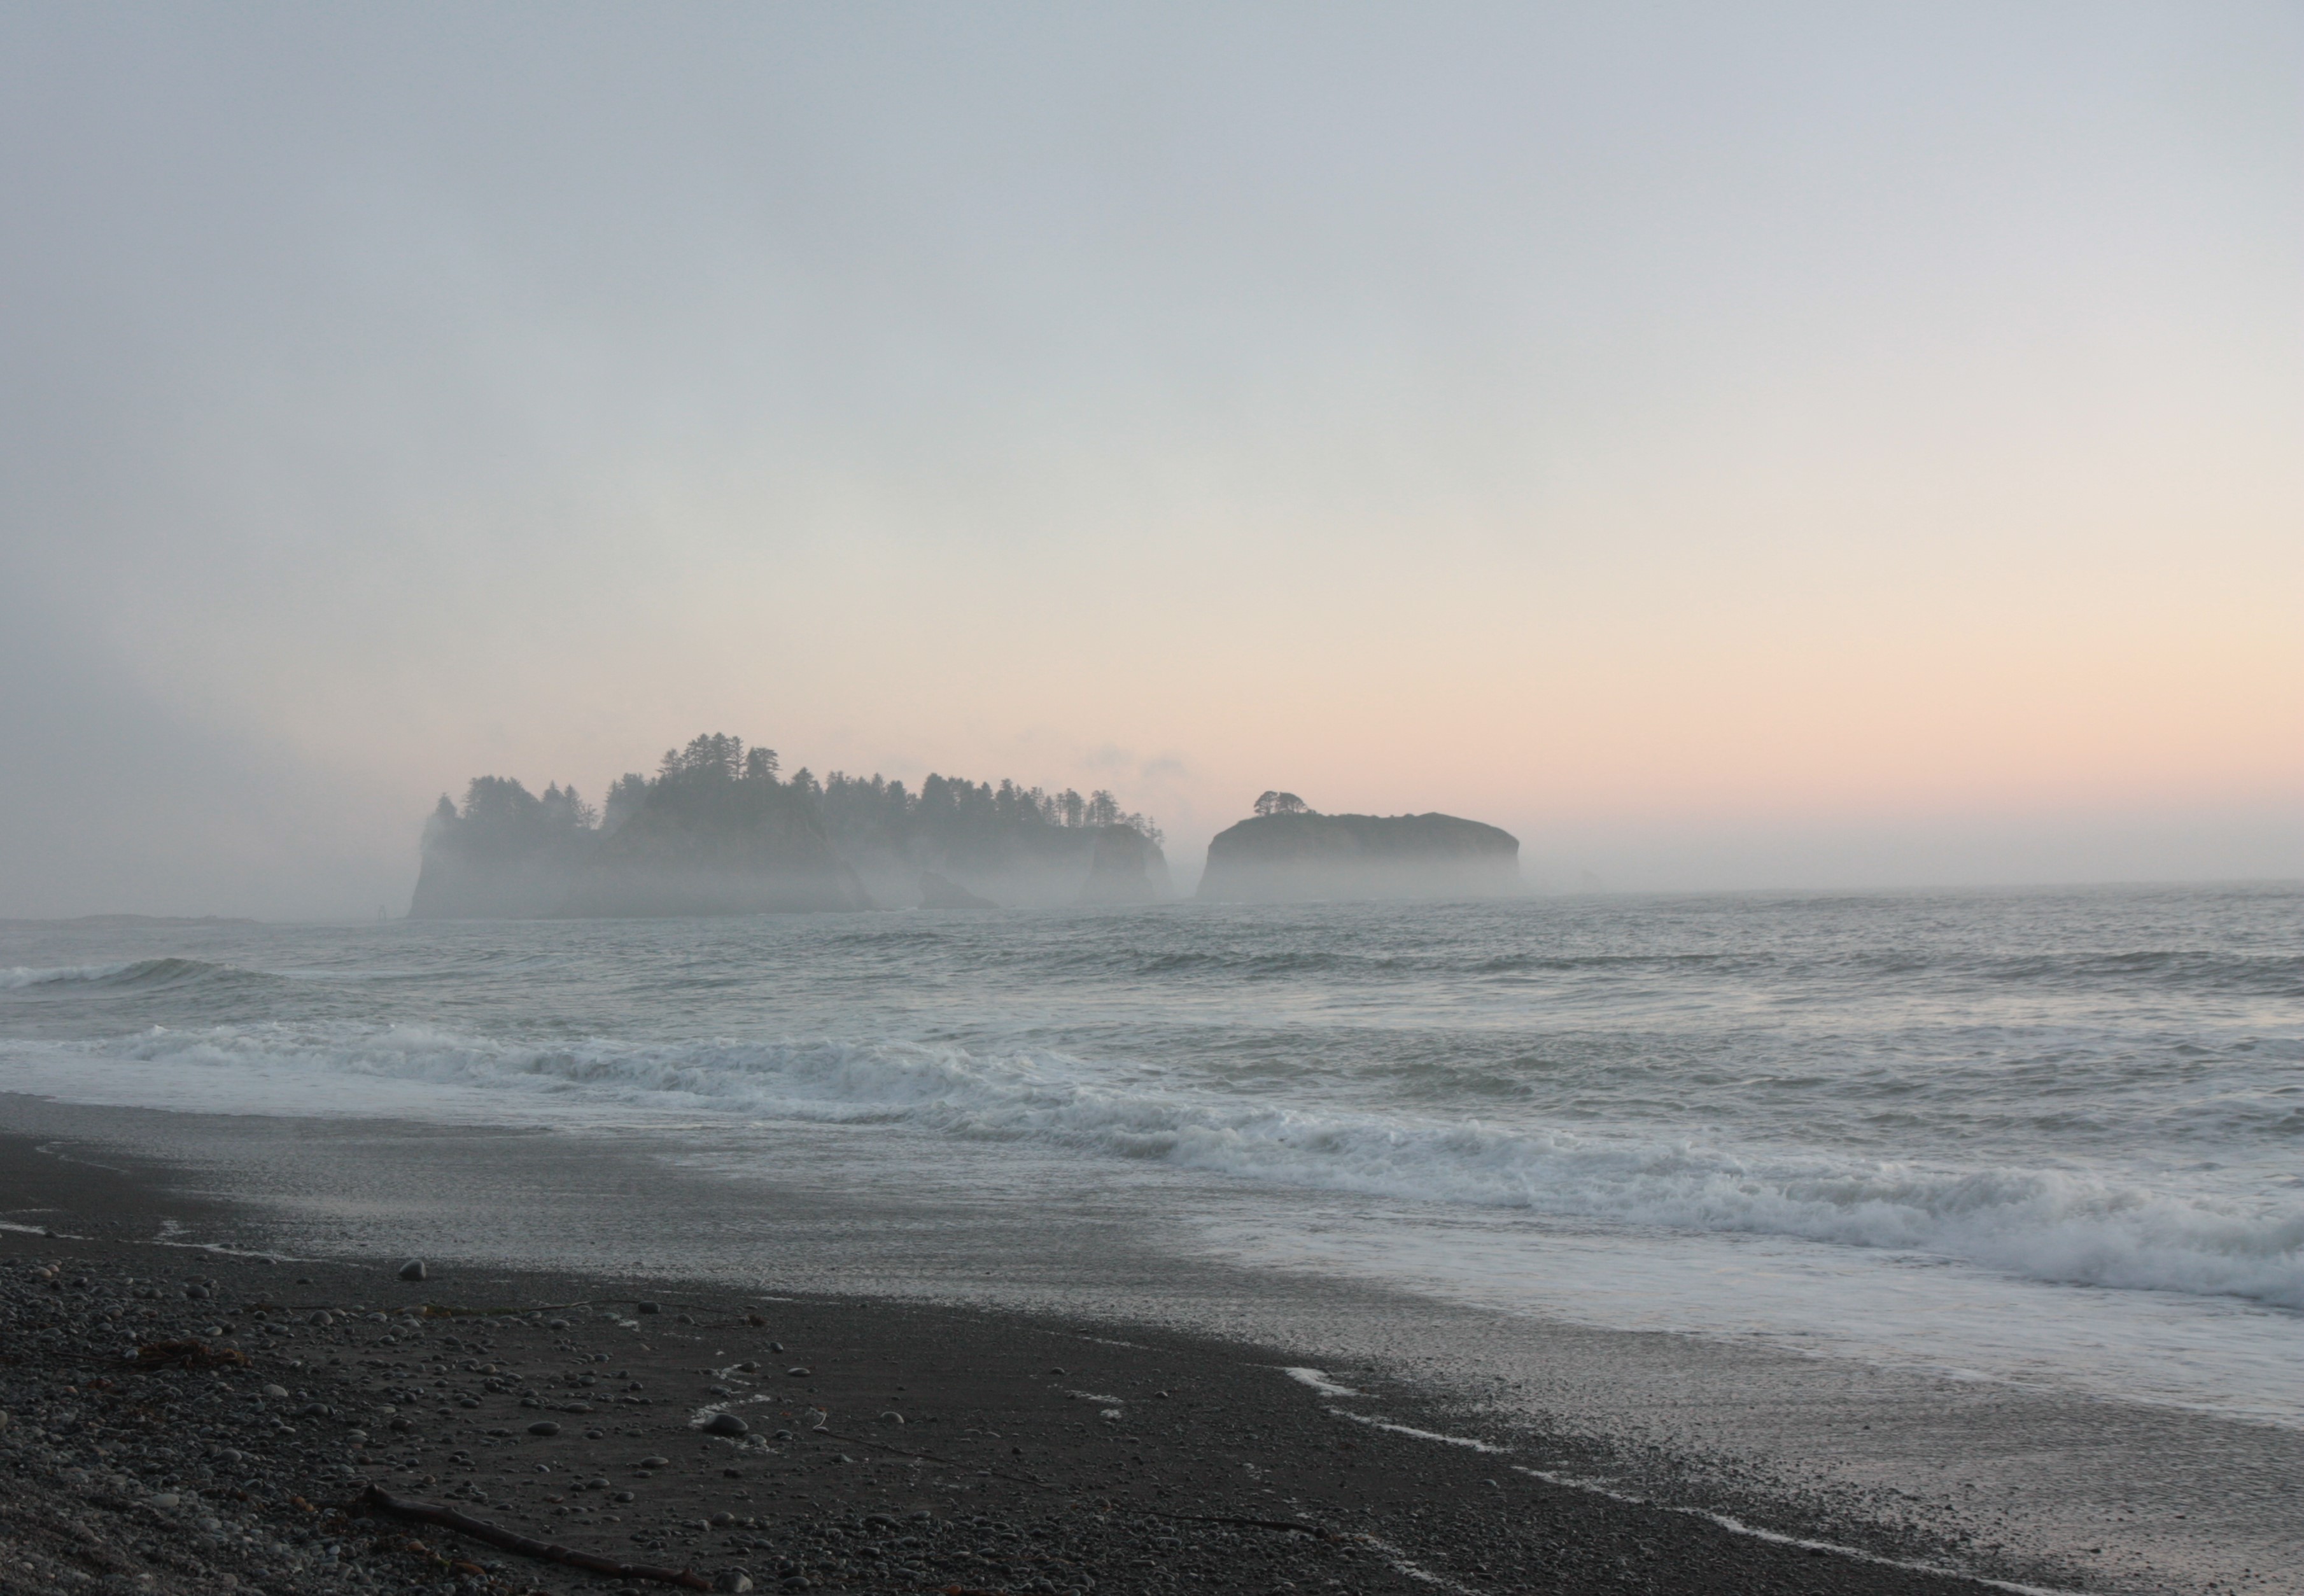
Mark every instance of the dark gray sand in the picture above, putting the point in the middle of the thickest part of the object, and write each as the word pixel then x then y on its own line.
pixel 921 1446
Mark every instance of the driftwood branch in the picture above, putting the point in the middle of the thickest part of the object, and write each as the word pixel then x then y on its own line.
pixel 375 1499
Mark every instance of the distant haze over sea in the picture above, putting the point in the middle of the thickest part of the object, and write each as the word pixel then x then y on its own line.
pixel 1723 447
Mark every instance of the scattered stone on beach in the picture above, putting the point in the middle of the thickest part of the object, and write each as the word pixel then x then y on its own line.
pixel 205 1468
pixel 413 1270
pixel 647 1307
pixel 798 1372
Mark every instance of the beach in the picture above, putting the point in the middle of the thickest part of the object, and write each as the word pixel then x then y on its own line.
pixel 888 1445
pixel 1066 1445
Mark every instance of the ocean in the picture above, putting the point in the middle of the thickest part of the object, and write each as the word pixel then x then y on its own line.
pixel 2052 1138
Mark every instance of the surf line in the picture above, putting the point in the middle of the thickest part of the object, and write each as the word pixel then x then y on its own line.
pixel 217 1247
pixel 1737 1526
pixel 1318 1380
pixel 1453 1441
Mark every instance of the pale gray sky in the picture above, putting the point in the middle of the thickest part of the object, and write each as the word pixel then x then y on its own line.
pixel 1753 445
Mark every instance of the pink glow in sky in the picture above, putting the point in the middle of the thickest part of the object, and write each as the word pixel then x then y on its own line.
pixel 1766 445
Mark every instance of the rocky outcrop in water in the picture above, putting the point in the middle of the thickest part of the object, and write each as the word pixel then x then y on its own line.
pixel 716 847
pixel 938 892
pixel 1126 867
pixel 1281 856
pixel 716 831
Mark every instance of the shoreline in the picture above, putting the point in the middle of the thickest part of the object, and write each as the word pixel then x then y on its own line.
pixel 1203 1459
pixel 1377 1465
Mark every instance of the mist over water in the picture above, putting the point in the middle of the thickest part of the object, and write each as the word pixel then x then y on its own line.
pixel 2079 1113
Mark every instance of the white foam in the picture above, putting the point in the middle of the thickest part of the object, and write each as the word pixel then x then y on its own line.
pixel 1469 1443
pixel 20 976
pixel 2061 1225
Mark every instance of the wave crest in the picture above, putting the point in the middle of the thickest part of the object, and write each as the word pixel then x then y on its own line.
pixel 2046 1224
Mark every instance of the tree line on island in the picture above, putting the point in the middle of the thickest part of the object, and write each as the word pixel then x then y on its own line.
pixel 719 829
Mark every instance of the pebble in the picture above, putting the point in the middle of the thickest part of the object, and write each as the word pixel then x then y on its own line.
pixel 797 1371
pixel 653 1463
pixel 731 1579
pixel 647 1307
pixel 413 1270
pixel 544 1427
pixel 726 1424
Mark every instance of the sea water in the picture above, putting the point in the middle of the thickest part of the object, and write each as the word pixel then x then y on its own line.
pixel 2047 1137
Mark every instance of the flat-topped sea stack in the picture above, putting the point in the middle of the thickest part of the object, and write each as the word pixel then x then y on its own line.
pixel 1292 857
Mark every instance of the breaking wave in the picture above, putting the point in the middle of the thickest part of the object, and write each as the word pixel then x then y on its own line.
pixel 133 973
pixel 2049 1224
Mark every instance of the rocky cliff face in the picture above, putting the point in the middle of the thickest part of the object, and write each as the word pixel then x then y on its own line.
pixel 1127 868
pixel 697 843
pixel 458 883
pixel 1046 867
pixel 1282 858
pixel 509 855
pixel 716 852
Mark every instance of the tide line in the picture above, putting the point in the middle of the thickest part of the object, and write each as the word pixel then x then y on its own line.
pixel 1733 1525
pixel 1776 1538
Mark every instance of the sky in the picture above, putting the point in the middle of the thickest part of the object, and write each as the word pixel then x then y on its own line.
pixel 1770 446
